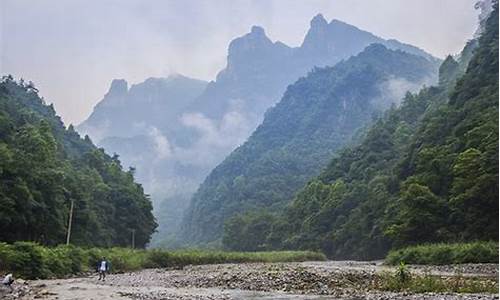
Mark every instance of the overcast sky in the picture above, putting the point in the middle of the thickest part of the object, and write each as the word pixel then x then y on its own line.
pixel 72 49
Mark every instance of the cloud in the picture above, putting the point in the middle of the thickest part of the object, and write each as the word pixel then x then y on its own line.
pixel 82 45
pixel 393 90
pixel 161 144
pixel 97 133
pixel 217 138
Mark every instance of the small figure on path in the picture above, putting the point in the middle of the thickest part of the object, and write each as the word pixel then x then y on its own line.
pixel 8 280
pixel 103 268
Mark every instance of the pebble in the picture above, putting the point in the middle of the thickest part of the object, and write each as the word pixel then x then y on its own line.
pixel 330 280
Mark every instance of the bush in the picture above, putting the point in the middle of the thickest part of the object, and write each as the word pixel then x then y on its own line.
pixel 30 260
pixel 157 259
pixel 6 256
pixel 441 254
pixel 431 283
pixel 124 259
pixel 57 261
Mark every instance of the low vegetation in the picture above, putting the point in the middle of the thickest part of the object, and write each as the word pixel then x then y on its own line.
pixel 442 254
pixel 402 280
pixel 30 260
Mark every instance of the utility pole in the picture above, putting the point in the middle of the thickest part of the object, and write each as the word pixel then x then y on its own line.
pixel 68 235
pixel 133 238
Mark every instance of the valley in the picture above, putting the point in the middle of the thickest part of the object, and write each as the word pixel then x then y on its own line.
pixel 351 166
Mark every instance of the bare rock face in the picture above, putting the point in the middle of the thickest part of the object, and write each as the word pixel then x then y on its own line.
pixel 119 87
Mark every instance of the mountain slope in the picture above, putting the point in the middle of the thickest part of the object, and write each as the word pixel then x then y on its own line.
pixel 173 150
pixel 44 167
pixel 426 172
pixel 255 61
pixel 317 115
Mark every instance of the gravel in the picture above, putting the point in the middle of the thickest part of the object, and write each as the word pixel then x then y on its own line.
pixel 299 281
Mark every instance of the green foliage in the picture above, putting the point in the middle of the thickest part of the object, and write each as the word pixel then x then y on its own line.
pixel 44 166
pixel 441 254
pixel 30 260
pixel 316 116
pixel 426 172
pixel 244 232
pixel 428 283
pixel 402 273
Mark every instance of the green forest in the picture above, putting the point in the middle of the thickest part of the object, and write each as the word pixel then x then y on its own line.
pixel 45 166
pixel 425 172
pixel 317 115
pixel 347 166
pixel 337 166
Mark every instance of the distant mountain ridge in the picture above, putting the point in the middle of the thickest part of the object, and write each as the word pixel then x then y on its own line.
pixel 154 102
pixel 254 60
pixel 209 120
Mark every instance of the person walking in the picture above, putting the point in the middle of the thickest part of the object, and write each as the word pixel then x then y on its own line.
pixel 103 268
pixel 8 280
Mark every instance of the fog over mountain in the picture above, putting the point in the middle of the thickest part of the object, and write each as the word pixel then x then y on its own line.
pixel 175 130
pixel 317 115
pixel 81 45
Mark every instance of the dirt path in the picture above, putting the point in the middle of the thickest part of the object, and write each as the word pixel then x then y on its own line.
pixel 298 281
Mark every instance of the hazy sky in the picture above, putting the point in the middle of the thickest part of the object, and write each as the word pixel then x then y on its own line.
pixel 72 49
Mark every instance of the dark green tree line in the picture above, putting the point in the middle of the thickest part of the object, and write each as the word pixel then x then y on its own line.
pixel 44 167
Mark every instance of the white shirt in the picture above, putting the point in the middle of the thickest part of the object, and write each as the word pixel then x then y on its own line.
pixel 7 279
pixel 103 266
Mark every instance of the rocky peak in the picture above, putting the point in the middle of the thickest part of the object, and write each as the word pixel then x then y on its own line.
pixel 119 87
pixel 318 21
pixel 257 31
pixel 256 38
pixel 253 46
pixel 316 37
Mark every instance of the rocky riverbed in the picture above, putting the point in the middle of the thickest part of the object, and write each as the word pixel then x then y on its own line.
pixel 306 280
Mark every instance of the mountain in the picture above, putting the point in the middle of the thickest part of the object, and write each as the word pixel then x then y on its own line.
pixel 175 146
pixel 156 102
pixel 141 123
pixel 255 61
pixel 45 167
pixel 425 172
pixel 317 115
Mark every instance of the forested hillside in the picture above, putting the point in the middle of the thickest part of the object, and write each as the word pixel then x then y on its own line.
pixel 426 172
pixel 44 167
pixel 175 131
pixel 317 115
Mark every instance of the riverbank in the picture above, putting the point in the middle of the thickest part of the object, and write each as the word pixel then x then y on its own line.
pixel 29 260
pixel 302 280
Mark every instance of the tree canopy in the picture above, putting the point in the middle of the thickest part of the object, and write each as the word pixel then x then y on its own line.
pixel 44 167
pixel 427 171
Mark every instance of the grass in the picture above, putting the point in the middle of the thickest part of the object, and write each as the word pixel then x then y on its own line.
pixel 30 261
pixel 442 254
pixel 402 280
pixel 160 258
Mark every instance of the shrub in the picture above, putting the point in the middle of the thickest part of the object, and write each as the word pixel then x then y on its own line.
pixel 30 260
pixel 436 284
pixel 57 261
pixel 6 257
pixel 158 259
pixel 440 254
